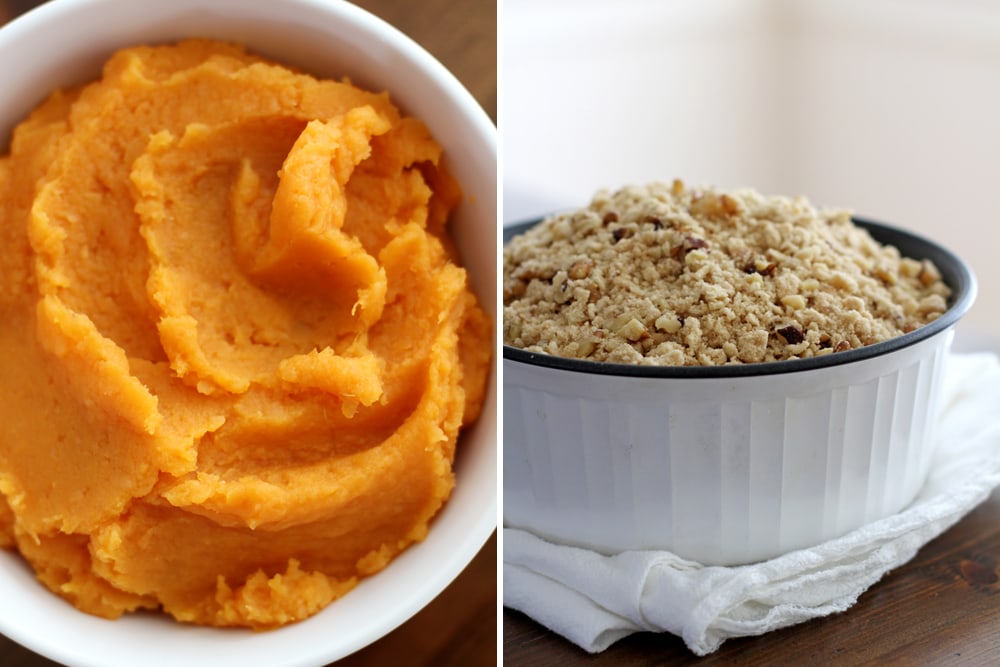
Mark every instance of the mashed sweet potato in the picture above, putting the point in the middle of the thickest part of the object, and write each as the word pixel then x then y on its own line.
pixel 236 349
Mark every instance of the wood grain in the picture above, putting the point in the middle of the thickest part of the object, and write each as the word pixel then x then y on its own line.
pixel 461 34
pixel 941 608
pixel 459 628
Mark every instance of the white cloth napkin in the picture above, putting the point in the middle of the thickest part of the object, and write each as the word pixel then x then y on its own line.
pixel 594 600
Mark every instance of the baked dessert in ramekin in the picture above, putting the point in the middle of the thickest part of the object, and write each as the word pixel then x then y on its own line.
pixel 732 462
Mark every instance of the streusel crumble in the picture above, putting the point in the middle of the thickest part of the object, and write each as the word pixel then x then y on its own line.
pixel 663 274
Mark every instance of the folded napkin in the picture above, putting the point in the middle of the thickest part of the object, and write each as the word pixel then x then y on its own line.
pixel 594 600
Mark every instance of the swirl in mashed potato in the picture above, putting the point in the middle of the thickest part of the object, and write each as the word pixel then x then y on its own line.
pixel 237 349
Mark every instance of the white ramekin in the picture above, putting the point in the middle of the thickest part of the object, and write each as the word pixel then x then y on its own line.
pixel 732 464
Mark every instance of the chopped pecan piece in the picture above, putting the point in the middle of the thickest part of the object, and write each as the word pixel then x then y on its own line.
pixel 622 233
pixel 691 242
pixel 792 334
pixel 580 269
pixel 761 266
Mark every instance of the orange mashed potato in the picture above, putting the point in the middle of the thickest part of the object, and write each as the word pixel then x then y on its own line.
pixel 236 349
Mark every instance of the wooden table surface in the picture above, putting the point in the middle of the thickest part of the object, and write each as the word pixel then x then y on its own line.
pixel 941 608
pixel 460 627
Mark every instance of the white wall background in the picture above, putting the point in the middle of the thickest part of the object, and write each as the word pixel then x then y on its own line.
pixel 888 107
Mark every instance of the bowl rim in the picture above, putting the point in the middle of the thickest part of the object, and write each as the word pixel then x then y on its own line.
pixel 955 272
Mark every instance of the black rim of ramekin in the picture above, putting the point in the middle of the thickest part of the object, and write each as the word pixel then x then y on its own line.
pixel 955 273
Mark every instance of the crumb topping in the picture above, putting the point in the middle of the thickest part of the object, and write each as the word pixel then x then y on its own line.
pixel 662 274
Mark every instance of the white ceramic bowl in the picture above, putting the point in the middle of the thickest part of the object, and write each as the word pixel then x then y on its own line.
pixel 65 42
pixel 729 464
